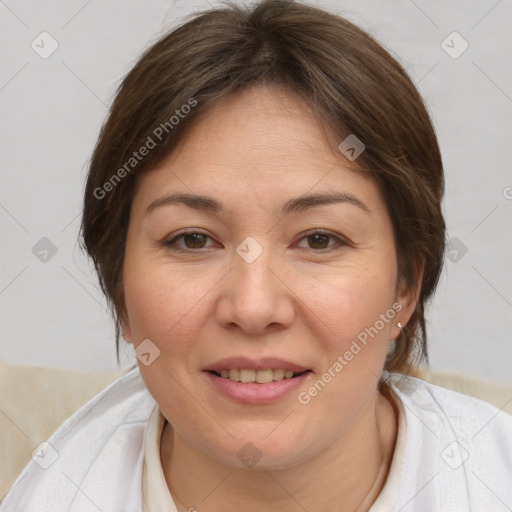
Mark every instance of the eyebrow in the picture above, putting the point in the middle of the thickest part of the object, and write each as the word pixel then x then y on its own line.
pixel 296 204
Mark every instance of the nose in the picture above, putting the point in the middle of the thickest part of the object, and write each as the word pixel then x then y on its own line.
pixel 254 295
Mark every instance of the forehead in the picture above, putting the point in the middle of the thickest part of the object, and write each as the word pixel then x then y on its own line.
pixel 263 127
pixel 262 144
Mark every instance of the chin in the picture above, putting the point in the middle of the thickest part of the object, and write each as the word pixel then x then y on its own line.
pixel 261 455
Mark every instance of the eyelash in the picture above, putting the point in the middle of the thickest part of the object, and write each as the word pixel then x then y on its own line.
pixel 171 244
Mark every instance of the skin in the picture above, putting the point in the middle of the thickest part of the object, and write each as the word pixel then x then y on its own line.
pixel 303 299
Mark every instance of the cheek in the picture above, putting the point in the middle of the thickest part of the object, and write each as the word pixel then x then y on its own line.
pixel 353 326
pixel 166 308
pixel 164 304
pixel 348 304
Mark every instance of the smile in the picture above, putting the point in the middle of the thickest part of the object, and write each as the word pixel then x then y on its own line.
pixel 260 376
pixel 248 390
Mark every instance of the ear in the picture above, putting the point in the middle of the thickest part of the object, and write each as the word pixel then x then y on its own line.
pixel 408 299
pixel 127 330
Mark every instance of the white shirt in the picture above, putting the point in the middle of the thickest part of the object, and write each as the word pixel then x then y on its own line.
pixel 457 455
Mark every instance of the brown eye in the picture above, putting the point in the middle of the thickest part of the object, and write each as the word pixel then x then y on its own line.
pixel 192 240
pixel 319 241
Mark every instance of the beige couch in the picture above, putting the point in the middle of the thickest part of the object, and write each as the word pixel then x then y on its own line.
pixel 34 401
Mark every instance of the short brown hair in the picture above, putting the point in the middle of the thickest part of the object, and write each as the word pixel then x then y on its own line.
pixel 349 79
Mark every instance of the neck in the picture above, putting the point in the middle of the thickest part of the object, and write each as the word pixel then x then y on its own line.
pixel 346 477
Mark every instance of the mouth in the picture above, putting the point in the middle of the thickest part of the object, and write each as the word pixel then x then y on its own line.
pixel 248 375
pixel 256 387
pixel 255 381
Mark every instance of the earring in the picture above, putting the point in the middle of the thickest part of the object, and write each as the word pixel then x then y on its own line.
pixel 399 325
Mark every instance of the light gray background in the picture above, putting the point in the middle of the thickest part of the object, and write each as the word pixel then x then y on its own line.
pixel 52 313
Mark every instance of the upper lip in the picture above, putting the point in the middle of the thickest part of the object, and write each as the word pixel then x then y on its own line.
pixel 263 363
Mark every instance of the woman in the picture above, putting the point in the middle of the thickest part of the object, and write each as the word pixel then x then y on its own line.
pixel 263 208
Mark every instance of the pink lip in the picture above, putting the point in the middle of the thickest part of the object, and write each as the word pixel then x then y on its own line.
pixel 264 363
pixel 254 393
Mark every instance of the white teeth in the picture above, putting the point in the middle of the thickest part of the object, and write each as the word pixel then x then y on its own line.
pixel 260 376
pixel 233 374
pixel 264 376
pixel 247 376
pixel 278 374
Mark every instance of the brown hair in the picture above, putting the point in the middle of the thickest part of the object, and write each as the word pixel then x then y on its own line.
pixel 349 79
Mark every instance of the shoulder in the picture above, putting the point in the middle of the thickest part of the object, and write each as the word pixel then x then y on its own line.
pixel 461 411
pixel 101 445
pixel 458 452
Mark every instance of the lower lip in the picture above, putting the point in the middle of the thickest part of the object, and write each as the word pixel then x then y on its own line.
pixel 254 393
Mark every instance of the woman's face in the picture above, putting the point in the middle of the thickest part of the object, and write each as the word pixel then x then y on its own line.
pixel 263 273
